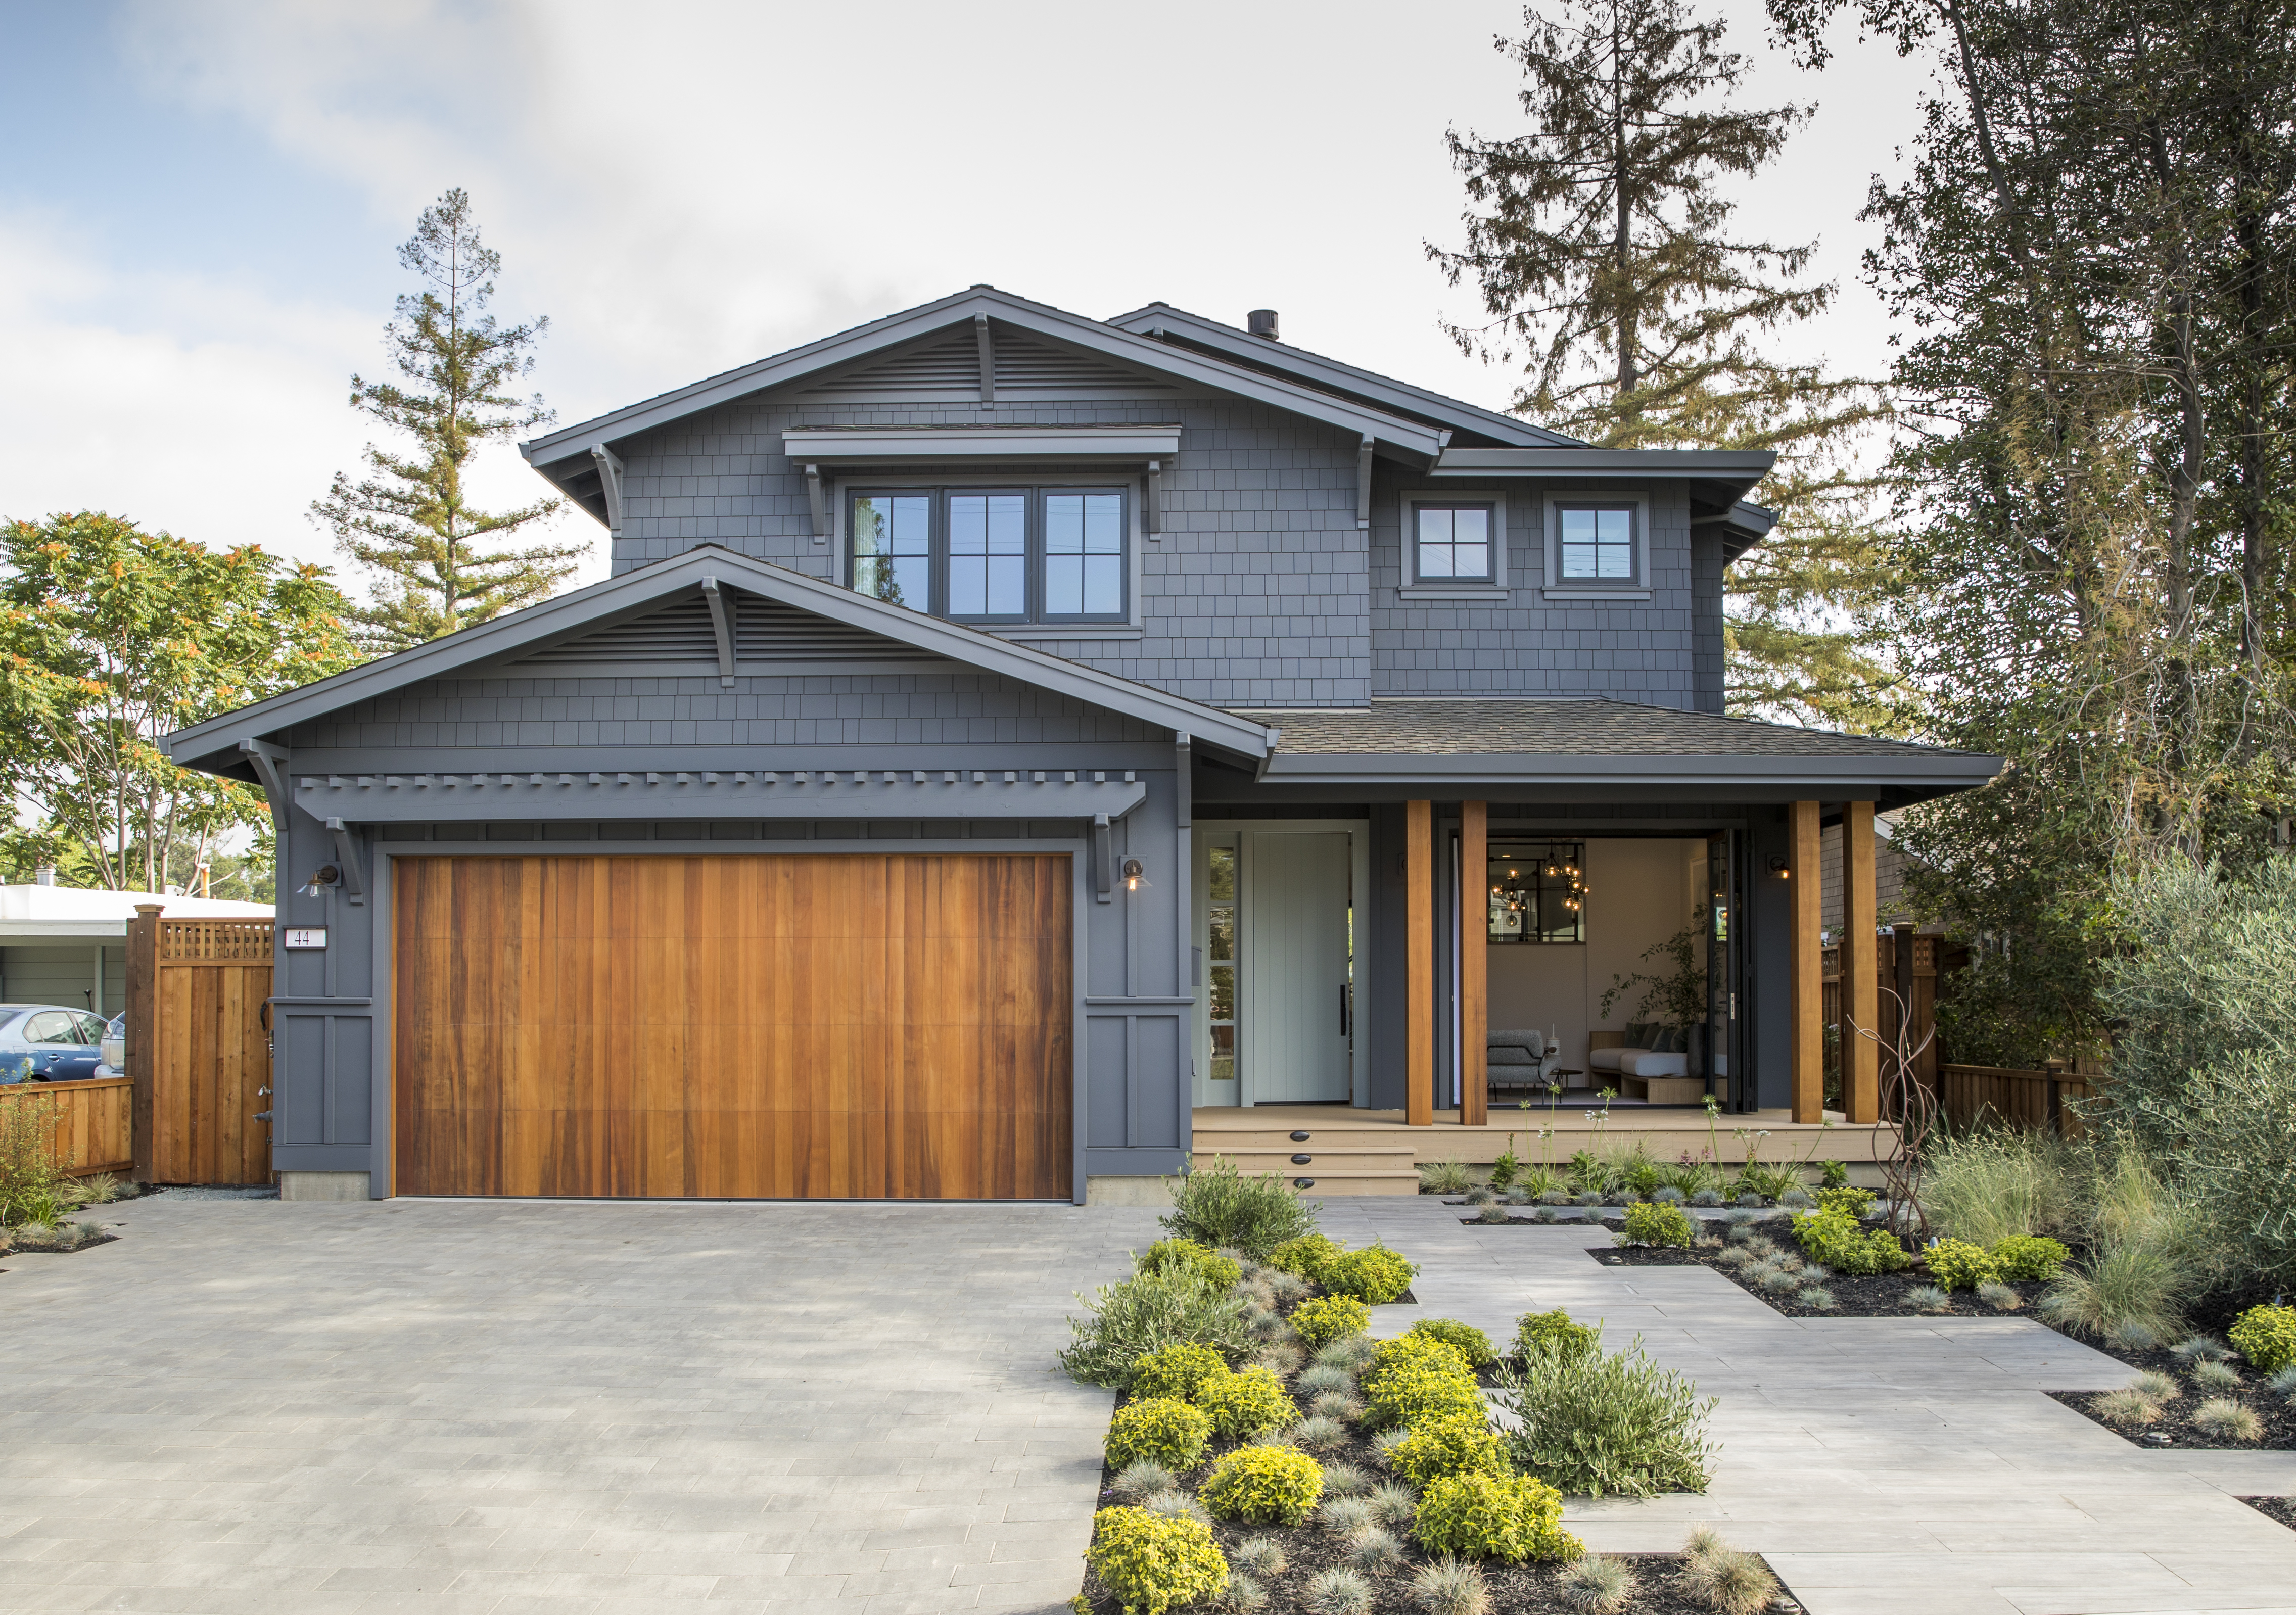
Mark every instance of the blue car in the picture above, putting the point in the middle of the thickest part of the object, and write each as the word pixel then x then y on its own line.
pixel 47 1043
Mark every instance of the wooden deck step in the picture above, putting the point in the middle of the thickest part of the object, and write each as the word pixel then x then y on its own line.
pixel 1348 1168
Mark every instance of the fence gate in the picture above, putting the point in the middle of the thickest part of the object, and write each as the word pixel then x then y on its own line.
pixel 197 1051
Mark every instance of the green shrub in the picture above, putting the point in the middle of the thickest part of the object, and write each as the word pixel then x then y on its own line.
pixel 1162 1430
pixel 1410 1395
pixel 33 1187
pixel 1265 1485
pixel 1657 1225
pixel 1593 1424
pixel 1834 1238
pixel 1512 1518
pixel 2029 1258
pixel 1446 1177
pixel 1154 1563
pixel 1374 1275
pixel 2128 1290
pixel 1176 1371
pixel 1858 1203
pixel 1304 1257
pixel 1220 1208
pixel 1451 1444
pixel 1469 1341
pixel 1130 1320
pixel 1323 1321
pixel 1539 1333
pixel 1185 1259
pixel 1765 1179
pixel 2267 1337
pixel 1955 1264
pixel 1246 1403
pixel 1414 1350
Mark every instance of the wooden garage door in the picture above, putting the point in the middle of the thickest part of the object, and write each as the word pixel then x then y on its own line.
pixel 820 1026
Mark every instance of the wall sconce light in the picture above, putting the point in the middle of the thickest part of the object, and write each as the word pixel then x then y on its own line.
pixel 1779 867
pixel 1136 875
pixel 323 877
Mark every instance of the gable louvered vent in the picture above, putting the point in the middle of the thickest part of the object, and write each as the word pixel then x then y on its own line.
pixel 1028 364
pixel 767 630
pixel 764 631
pixel 679 632
pixel 945 364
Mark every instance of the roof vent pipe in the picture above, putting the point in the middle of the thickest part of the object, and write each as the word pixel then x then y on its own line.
pixel 1261 322
pixel 44 875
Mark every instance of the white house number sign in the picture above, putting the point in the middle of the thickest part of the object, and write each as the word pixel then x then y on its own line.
pixel 305 936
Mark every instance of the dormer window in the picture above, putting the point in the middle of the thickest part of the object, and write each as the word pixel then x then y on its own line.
pixel 992 555
pixel 1598 546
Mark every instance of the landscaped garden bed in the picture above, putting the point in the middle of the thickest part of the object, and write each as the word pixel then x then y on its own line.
pixel 2283 1509
pixel 1268 1455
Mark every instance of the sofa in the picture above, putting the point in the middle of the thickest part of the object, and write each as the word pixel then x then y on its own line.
pixel 1644 1049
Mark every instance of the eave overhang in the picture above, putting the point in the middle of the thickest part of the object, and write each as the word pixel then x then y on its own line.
pixel 213 746
pixel 1718 478
pixel 854 445
pixel 730 793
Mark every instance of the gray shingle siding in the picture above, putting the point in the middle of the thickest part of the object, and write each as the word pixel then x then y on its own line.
pixel 904 708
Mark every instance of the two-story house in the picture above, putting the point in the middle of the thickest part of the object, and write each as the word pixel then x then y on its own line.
pixel 1008 737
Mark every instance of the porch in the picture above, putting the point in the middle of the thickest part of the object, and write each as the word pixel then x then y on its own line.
pixel 1351 1151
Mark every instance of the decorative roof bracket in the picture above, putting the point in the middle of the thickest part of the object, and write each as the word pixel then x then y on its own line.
pixel 610 480
pixel 1363 484
pixel 813 493
pixel 987 345
pixel 721 624
pixel 347 859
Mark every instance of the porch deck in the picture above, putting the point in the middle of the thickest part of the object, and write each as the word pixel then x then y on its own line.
pixel 1353 1152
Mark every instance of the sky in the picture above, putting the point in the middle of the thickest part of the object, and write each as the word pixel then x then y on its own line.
pixel 201 201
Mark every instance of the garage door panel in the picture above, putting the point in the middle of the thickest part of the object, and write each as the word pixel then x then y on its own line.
pixel 832 1025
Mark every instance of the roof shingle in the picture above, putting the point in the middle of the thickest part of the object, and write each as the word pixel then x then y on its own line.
pixel 1563 727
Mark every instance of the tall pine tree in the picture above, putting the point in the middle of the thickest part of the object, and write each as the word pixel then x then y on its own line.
pixel 1600 245
pixel 439 564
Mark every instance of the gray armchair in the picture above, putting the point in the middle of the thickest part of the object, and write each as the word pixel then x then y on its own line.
pixel 1520 1058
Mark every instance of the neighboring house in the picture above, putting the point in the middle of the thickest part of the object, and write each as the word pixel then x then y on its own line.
pixel 1892 905
pixel 1005 732
pixel 68 944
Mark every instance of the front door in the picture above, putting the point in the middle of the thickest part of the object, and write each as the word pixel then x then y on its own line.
pixel 1296 918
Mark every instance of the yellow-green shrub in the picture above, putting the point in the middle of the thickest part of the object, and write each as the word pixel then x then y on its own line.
pixel 1325 1319
pixel 1543 1332
pixel 1155 1563
pixel 1506 1517
pixel 1375 1275
pixel 1415 1349
pixel 2267 1337
pixel 1955 1264
pixel 1160 1428
pixel 1469 1341
pixel 1650 1223
pixel 1247 1403
pixel 1265 1485
pixel 1176 1371
pixel 1185 1257
pixel 1833 1237
pixel 1449 1444
pixel 1305 1257
pixel 1857 1204
pixel 2029 1256
pixel 1410 1395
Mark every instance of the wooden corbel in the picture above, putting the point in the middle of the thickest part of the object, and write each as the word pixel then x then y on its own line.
pixel 813 492
pixel 270 765
pixel 1363 484
pixel 1151 518
pixel 721 624
pixel 987 346
pixel 610 479
pixel 346 860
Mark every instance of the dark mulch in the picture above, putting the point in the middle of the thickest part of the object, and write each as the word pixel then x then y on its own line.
pixel 1880 1296
pixel 2283 1509
pixel 2176 1427
pixel 101 1239
pixel 1531 1589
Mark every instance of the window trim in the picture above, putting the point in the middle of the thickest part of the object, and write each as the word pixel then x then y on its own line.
pixel 1125 625
pixel 1495 587
pixel 1556 588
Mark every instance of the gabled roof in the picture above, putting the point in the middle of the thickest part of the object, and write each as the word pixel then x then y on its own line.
pixel 1391 429
pixel 1180 327
pixel 214 745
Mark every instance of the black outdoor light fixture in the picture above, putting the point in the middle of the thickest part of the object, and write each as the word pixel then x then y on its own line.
pixel 1135 874
pixel 323 877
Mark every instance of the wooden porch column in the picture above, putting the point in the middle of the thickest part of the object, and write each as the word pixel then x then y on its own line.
pixel 1861 998
pixel 1419 992
pixel 1474 995
pixel 1804 880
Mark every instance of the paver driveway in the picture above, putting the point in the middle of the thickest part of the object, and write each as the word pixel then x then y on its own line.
pixel 445 1407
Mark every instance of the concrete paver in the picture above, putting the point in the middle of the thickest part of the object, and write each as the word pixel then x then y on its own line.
pixel 516 1408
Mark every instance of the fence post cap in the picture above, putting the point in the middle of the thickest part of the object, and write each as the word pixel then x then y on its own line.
pixel 149 908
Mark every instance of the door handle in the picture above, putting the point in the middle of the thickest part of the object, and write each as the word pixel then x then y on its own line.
pixel 1345 990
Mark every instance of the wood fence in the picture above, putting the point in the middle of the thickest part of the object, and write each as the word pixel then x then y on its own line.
pixel 1972 1094
pixel 90 1122
pixel 1918 984
pixel 197 1051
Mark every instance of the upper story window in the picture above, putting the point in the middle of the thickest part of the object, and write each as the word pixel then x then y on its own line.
pixel 1005 554
pixel 1455 542
pixel 1598 544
